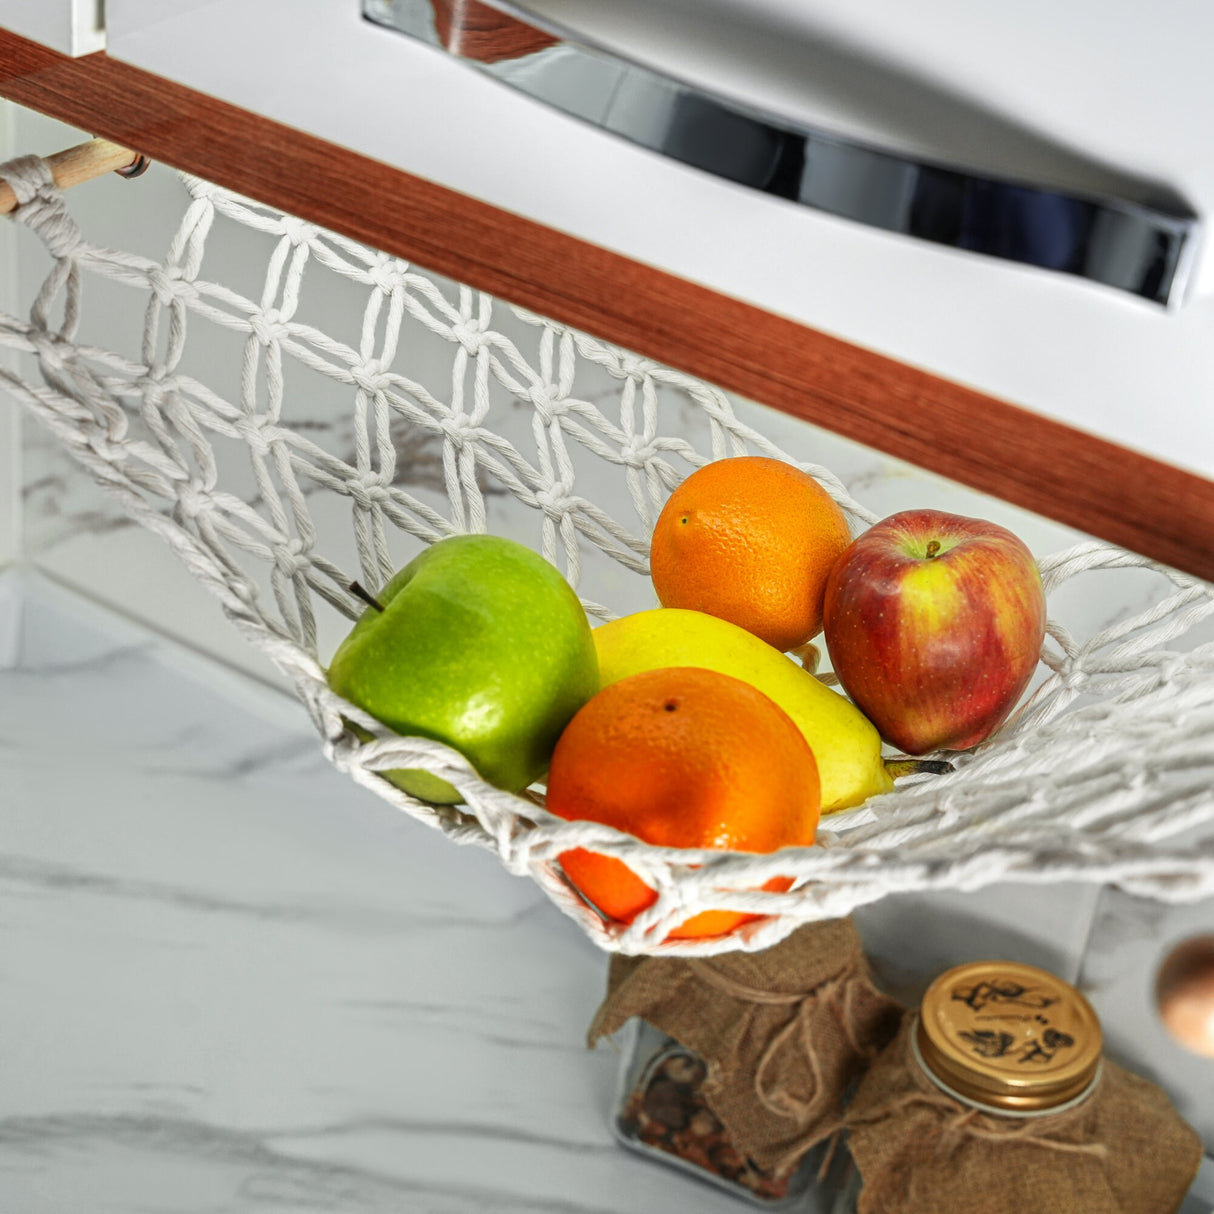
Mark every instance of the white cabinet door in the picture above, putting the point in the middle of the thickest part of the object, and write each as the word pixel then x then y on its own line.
pixel 1028 96
pixel 73 27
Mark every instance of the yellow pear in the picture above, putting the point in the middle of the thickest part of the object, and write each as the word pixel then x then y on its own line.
pixel 845 743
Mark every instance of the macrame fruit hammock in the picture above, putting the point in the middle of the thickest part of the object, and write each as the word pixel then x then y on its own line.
pixel 444 411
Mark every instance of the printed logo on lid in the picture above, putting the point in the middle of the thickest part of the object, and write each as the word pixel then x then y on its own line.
pixel 1009 1035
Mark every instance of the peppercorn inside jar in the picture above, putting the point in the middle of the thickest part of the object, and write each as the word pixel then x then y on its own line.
pixel 997 1096
pixel 662 1114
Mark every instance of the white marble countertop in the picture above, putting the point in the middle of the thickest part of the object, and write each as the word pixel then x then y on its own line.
pixel 234 981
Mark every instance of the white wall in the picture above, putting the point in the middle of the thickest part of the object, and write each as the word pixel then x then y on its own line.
pixel 69 527
pixel 73 27
pixel 10 441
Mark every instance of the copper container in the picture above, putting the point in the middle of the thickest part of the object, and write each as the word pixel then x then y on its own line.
pixel 1007 1038
pixel 1184 993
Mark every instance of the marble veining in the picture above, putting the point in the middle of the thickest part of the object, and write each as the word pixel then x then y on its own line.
pixel 231 980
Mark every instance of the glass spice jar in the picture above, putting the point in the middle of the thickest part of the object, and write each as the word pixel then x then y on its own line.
pixel 662 1114
pixel 736 1067
pixel 997 1096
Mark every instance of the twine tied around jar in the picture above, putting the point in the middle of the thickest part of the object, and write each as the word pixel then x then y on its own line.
pixel 783 1033
pixel 1122 1149
pixel 836 996
pixel 961 1121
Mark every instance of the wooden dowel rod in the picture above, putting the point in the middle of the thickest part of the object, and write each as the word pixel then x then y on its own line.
pixel 76 165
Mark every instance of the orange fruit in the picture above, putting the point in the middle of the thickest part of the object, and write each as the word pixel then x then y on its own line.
pixel 751 540
pixel 682 757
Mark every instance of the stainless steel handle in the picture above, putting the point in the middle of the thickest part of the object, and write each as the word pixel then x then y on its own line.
pixel 1118 242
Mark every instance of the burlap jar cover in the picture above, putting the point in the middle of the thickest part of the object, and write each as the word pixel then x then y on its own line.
pixel 782 1033
pixel 1123 1150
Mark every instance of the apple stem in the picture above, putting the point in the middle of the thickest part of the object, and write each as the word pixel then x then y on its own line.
pixel 366 596
pixel 917 767
pixel 933 547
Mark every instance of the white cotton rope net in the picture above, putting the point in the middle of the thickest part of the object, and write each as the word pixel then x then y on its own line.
pixel 1104 774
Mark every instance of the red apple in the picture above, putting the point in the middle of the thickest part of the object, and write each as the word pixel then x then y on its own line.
pixel 934 624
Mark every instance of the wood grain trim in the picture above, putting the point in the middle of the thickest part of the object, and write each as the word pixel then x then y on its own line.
pixel 479 32
pixel 1096 486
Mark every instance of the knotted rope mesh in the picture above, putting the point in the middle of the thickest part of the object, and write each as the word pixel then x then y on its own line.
pixel 1106 773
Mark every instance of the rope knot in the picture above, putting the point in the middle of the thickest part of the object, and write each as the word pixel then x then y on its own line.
pixel 154 388
pixel 292 557
pixel 369 376
pixel 637 454
pixel 49 348
pixel 1074 678
pixel 470 335
pixel 548 401
pixel 555 501
pixel 387 274
pixel 253 429
pixel 194 499
pixel 170 285
pixel 268 326
pixel 40 205
pixel 298 231
pixel 48 218
pixel 457 431
pixel 29 176
pixel 368 490
pixel 633 366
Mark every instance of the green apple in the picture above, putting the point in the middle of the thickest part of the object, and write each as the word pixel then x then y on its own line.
pixel 479 643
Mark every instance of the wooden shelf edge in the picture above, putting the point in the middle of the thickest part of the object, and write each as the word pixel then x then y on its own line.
pixel 1076 478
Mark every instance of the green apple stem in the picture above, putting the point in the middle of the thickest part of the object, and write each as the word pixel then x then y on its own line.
pixel 917 767
pixel 366 596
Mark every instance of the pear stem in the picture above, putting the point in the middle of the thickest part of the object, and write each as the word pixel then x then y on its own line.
pixel 916 767
pixel 809 655
pixel 933 547
pixel 366 596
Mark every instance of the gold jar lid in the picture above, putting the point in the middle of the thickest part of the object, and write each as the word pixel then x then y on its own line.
pixel 1009 1037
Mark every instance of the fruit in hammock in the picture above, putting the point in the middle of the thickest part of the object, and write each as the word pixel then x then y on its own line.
pixel 480 644
pixel 934 624
pixel 682 758
pixel 845 744
pixel 750 540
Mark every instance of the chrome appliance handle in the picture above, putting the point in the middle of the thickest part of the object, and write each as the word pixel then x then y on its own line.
pixel 1144 250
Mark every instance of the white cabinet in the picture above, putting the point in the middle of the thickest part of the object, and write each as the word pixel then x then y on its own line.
pixel 1043 93
pixel 74 27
